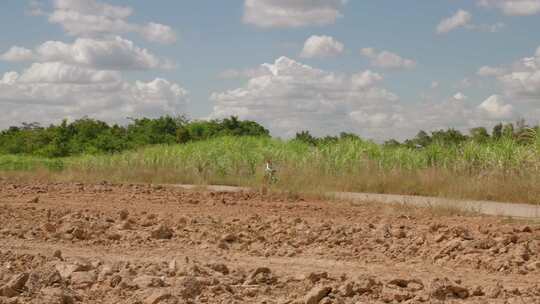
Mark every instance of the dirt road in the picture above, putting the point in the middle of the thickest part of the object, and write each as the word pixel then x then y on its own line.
pixel 76 243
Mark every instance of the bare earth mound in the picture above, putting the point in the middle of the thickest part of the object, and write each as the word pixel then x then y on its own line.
pixel 78 243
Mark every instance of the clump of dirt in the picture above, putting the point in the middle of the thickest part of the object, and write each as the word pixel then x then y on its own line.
pixel 76 279
pixel 81 243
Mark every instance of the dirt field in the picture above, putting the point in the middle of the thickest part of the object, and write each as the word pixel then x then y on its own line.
pixel 75 243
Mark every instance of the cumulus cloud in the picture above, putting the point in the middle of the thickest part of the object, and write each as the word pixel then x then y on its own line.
pixel 297 13
pixel 487 71
pixel 460 19
pixel 365 79
pixel 243 73
pixel 157 32
pixel 291 96
pixel 522 84
pixel 9 78
pixel 17 53
pixel 459 96
pixel 112 54
pixel 514 7
pixel 521 81
pixel 495 107
pixel 387 60
pixel 71 80
pixel 91 18
pixel 49 92
pixel 57 72
pixel 321 46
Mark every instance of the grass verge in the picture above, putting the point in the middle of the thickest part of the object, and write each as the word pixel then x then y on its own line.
pixel 500 172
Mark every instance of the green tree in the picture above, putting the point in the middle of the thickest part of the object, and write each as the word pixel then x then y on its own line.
pixel 479 135
pixel 422 139
pixel 448 137
pixel 59 146
pixel 92 136
pixel 508 130
pixel 347 135
pixel 497 131
pixel 182 135
pixel 305 136
pixel 392 143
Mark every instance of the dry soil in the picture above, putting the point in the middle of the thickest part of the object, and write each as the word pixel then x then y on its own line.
pixel 103 243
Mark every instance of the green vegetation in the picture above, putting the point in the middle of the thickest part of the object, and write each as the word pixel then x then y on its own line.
pixel 89 136
pixel 242 157
pixel 503 165
pixel 30 163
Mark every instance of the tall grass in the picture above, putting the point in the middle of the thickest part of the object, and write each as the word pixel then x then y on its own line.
pixel 29 163
pixel 231 156
pixel 501 170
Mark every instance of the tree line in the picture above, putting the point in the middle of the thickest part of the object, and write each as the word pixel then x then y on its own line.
pixel 518 131
pixel 91 136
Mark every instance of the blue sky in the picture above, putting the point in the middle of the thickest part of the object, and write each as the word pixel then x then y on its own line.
pixel 378 68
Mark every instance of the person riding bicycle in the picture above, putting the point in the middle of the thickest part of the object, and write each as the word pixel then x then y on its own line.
pixel 270 172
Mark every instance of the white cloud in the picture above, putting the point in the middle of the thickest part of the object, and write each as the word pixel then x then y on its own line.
pixel 57 72
pixel 494 107
pixel 459 96
pixel 92 7
pixel 522 80
pixel 291 97
pixel 487 71
pixel 71 80
pixel 286 13
pixel 72 92
pixel 514 7
pixel 16 53
pixel 387 60
pixel 321 46
pixel 158 33
pixel 243 73
pixel 365 79
pixel 522 84
pixel 435 84
pixel 112 54
pixel 460 19
pixel 452 113
pixel 9 78
pixel 91 18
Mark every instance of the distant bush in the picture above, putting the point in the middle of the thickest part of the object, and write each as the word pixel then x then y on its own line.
pixel 90 136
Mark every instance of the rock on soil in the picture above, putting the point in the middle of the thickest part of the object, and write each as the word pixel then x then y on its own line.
pixel 191 288
pixel 83 279
pixel 316 294
pixel 56 295
pixel 162 233
pixel 157 297
pixel 444 289
pixel 150 245
pixel 146 281
pixel 14 286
